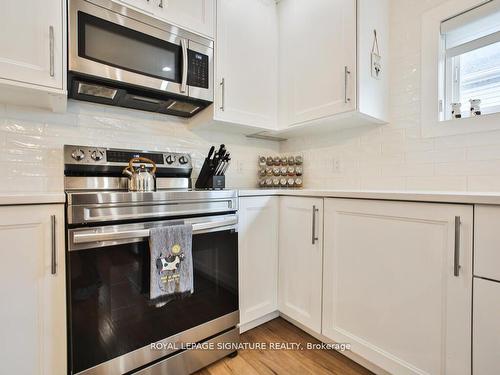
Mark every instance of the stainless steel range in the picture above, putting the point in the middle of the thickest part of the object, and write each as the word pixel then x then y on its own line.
pixel 114 327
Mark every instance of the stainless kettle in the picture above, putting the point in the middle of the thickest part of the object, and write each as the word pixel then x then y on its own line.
pixel 140 179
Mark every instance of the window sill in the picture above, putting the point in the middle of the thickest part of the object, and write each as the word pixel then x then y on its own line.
pixel 466 125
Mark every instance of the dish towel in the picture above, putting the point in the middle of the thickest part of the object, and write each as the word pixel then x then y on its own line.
pixel 171 262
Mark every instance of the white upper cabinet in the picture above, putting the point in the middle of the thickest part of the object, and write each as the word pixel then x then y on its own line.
pixel 194 15
pixel 325 63
pixel 246 68
pixel 32 49
pixel 258 257
pixel 32 290
pixel 301 260
pixel 397 283
pixel 31 44
pixel 246 63
pixel 317 59
pixel 299 67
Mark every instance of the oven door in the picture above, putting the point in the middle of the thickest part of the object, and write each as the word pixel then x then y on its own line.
pixel 112 320
pixel 113 42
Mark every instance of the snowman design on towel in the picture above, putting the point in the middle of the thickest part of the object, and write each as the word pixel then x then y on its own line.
pixel 168 265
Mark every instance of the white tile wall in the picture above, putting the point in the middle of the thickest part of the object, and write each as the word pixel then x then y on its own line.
pixel 31 142
pixel 395 156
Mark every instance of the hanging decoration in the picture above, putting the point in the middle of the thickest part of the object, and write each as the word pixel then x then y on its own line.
pixel 376 66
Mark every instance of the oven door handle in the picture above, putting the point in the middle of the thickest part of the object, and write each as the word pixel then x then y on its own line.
pixel 203 227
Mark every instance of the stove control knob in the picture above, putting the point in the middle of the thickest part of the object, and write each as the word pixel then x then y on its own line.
pixel 183 160
pixel 78 154
pixel 170 159
pixel 97 155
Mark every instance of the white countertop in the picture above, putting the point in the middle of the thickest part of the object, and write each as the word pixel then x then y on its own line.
pixel 397 195
pixel 7 199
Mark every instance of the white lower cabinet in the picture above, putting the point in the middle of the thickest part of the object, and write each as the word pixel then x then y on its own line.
pixel 258 257
pixel 486 240
pixel 32 290
pixel 486 327
pixel 301 260
pixel 389 287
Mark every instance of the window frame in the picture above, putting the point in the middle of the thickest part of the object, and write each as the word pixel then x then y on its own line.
pixel 434 67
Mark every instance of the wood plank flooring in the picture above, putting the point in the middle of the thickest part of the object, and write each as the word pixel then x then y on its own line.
pixel 286 362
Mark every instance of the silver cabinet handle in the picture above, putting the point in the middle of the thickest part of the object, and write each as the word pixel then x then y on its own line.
pixel 223 94
pixel 53 263
pixel 456 260
pixel 314 237
pixel 184 65
pixel 347 72
pixel 160 4
pixel 51 50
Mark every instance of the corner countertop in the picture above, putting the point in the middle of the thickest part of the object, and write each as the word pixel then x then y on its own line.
pixel 9 199
pixel 394 195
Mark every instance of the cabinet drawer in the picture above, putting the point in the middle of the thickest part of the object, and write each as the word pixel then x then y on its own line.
pixel 487 242
pixel 486 327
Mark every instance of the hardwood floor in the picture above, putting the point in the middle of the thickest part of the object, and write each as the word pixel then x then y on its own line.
pixel 286 362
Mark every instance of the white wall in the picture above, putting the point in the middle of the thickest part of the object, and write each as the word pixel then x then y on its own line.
pixel 31 142
pixel 395 156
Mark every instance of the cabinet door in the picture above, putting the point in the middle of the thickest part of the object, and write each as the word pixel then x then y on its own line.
pixel 139 4
pixel 486 331
pixel 389 287
pixel 33 309
pixel 317 59
pixel 258 257
pixel 247 63
pixel 486 240
pixel 194 15
pixel 31 42
pixel 300 260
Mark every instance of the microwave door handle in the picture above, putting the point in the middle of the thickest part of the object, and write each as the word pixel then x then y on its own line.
pixel 184 65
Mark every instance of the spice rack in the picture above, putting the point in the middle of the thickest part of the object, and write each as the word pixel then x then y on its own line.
pixel 281 171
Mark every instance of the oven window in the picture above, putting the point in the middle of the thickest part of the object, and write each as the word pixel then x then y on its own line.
pixel 124 48
pixel 111 313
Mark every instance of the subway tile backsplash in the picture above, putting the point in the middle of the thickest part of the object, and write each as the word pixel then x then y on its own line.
pixel 31 141
pixel 396 156
pixel 393 156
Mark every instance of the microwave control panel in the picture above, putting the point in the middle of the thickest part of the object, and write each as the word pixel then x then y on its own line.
pixel 197 69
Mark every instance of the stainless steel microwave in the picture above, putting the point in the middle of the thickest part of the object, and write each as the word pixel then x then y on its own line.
pixel 119 56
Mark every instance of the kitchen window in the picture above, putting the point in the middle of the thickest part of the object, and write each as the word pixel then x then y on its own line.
pixel 471 72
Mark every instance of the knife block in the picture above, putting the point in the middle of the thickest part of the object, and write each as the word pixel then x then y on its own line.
pixel 207 180
pixel 216 183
